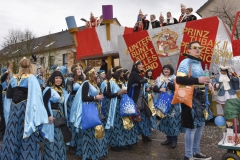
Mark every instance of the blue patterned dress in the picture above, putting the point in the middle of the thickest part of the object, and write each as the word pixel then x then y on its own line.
pixel 73 142
pixel 26 113
pixel 91 147
pixel 57 148
pixel 171 124
pixel 119 136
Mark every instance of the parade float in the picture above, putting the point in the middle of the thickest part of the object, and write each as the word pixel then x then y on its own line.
pixel 156 47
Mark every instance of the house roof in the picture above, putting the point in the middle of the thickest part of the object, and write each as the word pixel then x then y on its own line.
pixel 203 6
pixel 56 40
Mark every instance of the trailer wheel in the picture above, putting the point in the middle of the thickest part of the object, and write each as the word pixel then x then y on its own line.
pixel 230 156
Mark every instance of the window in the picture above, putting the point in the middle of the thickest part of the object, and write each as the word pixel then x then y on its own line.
pixel 42 61
pixel 50 44
pixel 51 61
pixel 65 59
pixel 35 47
pixel 15 51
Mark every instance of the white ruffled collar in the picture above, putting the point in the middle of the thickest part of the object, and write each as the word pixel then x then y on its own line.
pixel 171 20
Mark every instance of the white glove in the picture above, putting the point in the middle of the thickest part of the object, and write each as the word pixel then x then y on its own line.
pixel 217 85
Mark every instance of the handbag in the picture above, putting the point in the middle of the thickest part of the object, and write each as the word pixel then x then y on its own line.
pixel 90 116
pixel 140 102
pixel 60 121
pixel 164 102
pixel 184 93
pixel 127 106
pixel 138 117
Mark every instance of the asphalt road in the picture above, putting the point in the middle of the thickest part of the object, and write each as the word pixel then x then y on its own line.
pixel 154 150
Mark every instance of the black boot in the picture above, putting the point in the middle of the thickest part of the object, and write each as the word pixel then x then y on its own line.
pixel 116 149
pixel 130 147
pixel 165 142
pixel 146 138
pixel 72 150
pixel 173 145
pixel 127 147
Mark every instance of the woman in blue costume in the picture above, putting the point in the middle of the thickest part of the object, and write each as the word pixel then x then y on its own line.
pixel 3 88
pixel 149 96
pixel 123 133
pixel 27 112
pixel 78 78
pixel 92 146
pixel 171 124
pixel 136 80
pixel 53 98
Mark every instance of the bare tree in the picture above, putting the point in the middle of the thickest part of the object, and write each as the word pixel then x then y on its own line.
pixel 226 11
pixel 18 43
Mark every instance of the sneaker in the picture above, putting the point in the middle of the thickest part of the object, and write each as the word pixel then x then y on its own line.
pixel 187 158
pixel 201 156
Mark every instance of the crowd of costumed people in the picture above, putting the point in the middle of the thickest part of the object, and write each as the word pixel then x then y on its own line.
pixel 125 105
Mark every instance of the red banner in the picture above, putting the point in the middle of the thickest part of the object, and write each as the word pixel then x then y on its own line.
pixel 140 47
pixel 88 44
pixel 204 31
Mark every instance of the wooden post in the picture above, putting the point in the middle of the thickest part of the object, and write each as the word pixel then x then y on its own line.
pixel 109 61
pixel 107 24
pixel 83 63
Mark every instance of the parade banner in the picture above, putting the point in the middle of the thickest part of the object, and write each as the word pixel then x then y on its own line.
pixel 204 31
pixel 140 47
pixel 170 42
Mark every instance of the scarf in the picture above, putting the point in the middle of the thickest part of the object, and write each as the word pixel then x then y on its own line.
pixel 171 20
pixel 225 80
pixel 186 15
pixel 150 24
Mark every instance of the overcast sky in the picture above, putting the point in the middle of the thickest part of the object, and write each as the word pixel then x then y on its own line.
pixel 44 16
